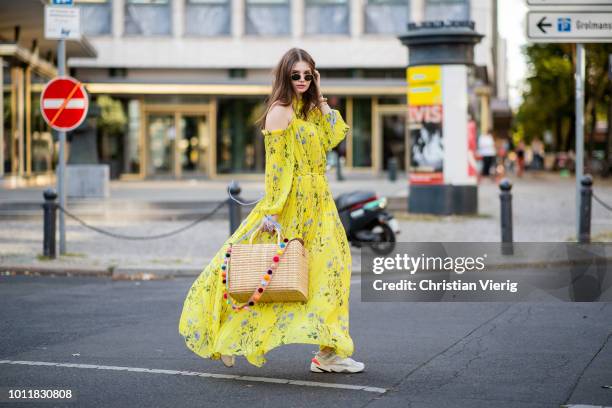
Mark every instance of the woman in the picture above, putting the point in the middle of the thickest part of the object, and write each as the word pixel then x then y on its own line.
pixel 299 129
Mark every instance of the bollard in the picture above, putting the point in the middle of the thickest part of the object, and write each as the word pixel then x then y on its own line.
pixel 234 207
pixel 392 167
pixel 49 222
pixel 584 223
pixel 506 216
pixel 339 160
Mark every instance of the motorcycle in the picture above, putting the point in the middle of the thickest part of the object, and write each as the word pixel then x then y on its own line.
pixel 366 221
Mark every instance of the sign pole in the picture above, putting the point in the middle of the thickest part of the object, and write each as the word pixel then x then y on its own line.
pixel 61 71
pixel 580 73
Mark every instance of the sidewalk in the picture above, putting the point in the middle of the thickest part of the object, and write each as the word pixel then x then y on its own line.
pixel 543 206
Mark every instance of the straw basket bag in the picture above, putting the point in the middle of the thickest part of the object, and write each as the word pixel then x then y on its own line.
pixel 268 272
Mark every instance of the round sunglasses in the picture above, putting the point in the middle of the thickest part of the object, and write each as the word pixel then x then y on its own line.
pixel 296 77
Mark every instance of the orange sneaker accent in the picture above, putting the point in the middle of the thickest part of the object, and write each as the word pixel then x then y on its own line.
pixel 314 360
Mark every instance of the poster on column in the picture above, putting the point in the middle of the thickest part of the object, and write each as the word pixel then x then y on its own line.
pixel 425 124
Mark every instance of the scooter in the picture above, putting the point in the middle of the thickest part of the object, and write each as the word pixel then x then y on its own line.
pixel 366 221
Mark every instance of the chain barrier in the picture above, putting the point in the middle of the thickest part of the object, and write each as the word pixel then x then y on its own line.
pixel 237 200
pixel 167 234
pixel 135 237
pixel 600 201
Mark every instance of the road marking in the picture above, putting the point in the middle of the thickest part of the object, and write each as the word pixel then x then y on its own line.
pixel 583 406
pixel 200 374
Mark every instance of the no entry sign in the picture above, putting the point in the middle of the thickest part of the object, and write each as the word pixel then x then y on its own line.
pixel 64 103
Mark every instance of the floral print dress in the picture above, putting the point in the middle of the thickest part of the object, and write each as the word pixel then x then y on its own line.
pixel 296 188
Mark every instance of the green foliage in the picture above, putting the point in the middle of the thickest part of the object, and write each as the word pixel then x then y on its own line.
pixel 548 96
pixel 112 119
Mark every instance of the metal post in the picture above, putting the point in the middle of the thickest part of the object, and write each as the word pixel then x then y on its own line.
pixel 580 72
pixel 506 216
pixel 1 118
pixel 392 168
pixel 49 222
pixel 339 175
pixel 586 193
pixel 234 207
pixel 61 71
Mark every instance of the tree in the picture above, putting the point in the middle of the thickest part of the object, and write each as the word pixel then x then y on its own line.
pixel 548 96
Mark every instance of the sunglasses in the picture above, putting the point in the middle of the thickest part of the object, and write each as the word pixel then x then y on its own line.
pixel 296 77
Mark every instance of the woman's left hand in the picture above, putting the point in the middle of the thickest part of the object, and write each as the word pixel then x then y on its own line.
pixel 317 81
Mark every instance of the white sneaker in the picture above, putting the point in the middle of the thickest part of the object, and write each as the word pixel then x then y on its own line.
pixel 331 363
pixel 228 361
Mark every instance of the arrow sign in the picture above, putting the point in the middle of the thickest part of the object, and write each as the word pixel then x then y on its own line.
pixel 542 23
pixel 569 26
pixel 64 103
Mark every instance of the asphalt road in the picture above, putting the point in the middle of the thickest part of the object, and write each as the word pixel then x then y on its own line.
pixel 104 333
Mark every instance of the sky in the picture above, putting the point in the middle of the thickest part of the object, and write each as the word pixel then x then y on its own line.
pixel 511 22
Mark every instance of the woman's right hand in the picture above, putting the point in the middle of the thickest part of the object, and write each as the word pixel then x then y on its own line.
pixel 267 224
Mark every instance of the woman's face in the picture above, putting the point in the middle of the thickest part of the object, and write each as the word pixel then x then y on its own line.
pixel 306 76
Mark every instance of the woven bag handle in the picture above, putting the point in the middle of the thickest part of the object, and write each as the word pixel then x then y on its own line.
pixel 278 234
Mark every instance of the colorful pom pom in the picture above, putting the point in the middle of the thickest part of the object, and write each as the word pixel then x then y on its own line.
pixel 276 258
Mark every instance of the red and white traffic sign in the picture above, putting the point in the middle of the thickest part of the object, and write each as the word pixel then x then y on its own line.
pixel 64 103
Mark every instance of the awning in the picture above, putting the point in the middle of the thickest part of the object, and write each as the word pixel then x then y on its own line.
pixel 25 19
pixel 242 87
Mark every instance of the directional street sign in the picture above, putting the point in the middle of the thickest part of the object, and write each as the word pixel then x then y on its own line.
pixel 568 2
pixel 569 27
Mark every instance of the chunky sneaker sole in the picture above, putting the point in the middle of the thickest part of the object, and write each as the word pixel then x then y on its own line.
pixel 347 365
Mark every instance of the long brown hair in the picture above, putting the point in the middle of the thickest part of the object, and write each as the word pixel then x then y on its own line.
pixel 282 90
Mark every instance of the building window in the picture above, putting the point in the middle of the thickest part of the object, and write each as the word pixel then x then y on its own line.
pixel 148 17
pixel 362 132
pixel 387 16
pixel 447 10
pixel 207 17
pixel 326 17
pixel 268 17
pixel 240 145
pixel 96 16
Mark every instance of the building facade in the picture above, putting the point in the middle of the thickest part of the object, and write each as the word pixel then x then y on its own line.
pixel 189 77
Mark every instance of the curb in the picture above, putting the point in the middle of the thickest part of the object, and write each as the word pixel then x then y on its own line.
pixel 161 273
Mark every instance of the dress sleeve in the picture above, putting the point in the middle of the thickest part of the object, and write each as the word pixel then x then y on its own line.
pixel 280 161
pixel 332 129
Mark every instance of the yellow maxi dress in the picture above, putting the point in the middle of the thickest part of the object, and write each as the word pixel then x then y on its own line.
pixel 297 189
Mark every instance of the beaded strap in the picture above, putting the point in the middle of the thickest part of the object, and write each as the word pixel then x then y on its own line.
pixel 258 292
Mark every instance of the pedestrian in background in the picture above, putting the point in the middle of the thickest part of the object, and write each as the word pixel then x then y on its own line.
pixel 486 150
pixel 520 158
pixel 299 129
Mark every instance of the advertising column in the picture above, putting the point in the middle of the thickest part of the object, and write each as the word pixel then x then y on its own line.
pixel 442 177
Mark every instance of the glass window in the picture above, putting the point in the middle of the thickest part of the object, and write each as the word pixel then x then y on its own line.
pixel 326 17
pixel 268 17
pixel 148 17
pixel 387 16
pixel 207 17
pixel 447 10
pixel 240 144
pixel 96 16
pixel 362 132
pixel 133 146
